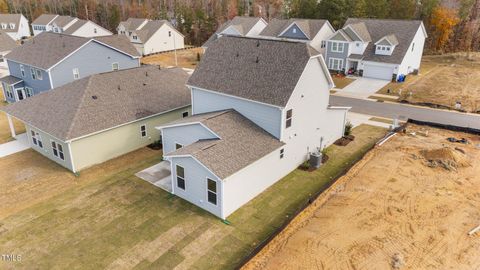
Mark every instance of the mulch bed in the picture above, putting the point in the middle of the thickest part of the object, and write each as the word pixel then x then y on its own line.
pixel 345 140
pixel 154 146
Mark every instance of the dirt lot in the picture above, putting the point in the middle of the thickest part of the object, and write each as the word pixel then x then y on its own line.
pixel 404 205
pixel 443 81
pixel 5 134
pixel 186 58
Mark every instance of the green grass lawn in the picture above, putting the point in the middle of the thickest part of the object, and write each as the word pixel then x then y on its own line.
pixel 122 222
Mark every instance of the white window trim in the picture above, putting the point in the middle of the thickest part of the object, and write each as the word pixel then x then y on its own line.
pixel 22 70
pixel 27 90
pixel 58 150
pixel 77 73
pixel 37 137
pixel 141 132
pixel 176 177
pixel 287 118
pixel 181 145
pixel 39 74
pixel 118 66
pixel 33 73
pixel 216 192
pixel 331 66
pixel 282 153
pixel 338 46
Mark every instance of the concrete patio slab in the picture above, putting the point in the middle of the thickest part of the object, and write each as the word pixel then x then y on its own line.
pixel 158 175
pixel 19 144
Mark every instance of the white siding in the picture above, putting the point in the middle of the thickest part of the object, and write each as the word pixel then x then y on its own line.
pixel 161 42
pixel 256 29
pixel 196 184
pixel 184 135
pixel 322 35
pixel 267 117
pixel 412 59
pixel 88 30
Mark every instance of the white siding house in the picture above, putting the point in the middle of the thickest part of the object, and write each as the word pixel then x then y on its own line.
pixel 249 131
pixel 68 25
pixel 15 25
pixel 239 26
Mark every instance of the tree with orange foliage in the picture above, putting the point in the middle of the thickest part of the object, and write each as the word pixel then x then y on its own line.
pixel 443 21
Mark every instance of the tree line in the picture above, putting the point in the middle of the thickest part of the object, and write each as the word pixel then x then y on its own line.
pixel 452 25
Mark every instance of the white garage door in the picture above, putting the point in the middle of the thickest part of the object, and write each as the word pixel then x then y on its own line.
pixel 378 72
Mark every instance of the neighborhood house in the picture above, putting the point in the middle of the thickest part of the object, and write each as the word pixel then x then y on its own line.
pixel 7 44
pixel 259 109
pixel 150 37
pixel 67 25
pixel 50 60
pixel 15 25
pixel 94 119
pixel 373 48
pixel 313 32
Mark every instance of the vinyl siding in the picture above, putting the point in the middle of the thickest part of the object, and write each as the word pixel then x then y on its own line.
pixel 115 142
pixel 37 85
pixel 47 147
pixel 87 30
pixel 331 54
pixel 265 116
pixel 184 135
pixel 161 42
pixel 93 58
pixel 294 32
pixel 413 59
pixel 196 184
pixel 257 29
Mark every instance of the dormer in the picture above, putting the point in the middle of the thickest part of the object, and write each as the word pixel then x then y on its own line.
pixel 12 26
pixel 386 45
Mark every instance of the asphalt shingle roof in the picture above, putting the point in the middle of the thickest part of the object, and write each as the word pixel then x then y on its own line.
pixel 6 42
pixel 74 27
pixel 242 142
pixel 256 69
pixel 150 28
pixel 44 19
pixel 9 79
pixel 131 24
pixel 62 21
pixel 242 24
pixel 404 31
pixel 104 101
pixel 308 26
pixel 47 48
pixel 11 18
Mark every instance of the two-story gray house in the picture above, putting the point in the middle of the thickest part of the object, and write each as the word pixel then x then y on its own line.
pixel 50 60
pixel 374 48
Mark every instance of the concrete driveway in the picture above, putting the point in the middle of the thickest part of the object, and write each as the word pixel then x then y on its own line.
pixel 362 88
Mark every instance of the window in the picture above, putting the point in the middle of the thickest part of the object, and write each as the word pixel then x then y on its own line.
pixel 34 74
pixel 115 66
pixel 180 177
pixel 294 30
pixel 76 74
pixel 9 90
pixel 135 37
pixel 282 153
pixel 2 59
pixel 143 130
pixel 22 70
pixel 58 150
pixel 12 26
pixel 28 91
pixel 323 44
pixel 413 46
pixel 185 114
pixel 337 47
pixel 335 64
pixel 178 146
pixel 212 191
pixel 37 139
pixel 357 44
pixel 95 30
pixel 4 26
pixel 288 123
pixel 169 33
pixel 39 74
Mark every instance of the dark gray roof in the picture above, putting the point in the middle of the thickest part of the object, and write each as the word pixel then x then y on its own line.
pixel 74 27
pixel 404 31
pixel 310 27
pixel 10 80
pixel 6 42
pixel 242 142
pixel 11 18
pixel 242 24
pixel 104 101
pixel 44 19
pixel 361 29
pixel 230 66
pixel 62 21
pixel 47 48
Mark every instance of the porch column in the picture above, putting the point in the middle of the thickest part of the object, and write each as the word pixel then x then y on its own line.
pixel 10 124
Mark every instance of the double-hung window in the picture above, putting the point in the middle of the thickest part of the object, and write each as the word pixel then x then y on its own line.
pixel 288 122
pixel 57 150
pixel 114 66
pixel 169 33
pixel 34 74
pixel 39 74
pixel 335 64
pixel 37 139
pixel 22 70
pixel 282 153
pixel 337 47
pixel 76 74
pixel 143 130
pixel 212 191
pixel 28 91
pixel 180 171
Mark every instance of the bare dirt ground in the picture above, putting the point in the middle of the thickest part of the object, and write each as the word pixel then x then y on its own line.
pixel 186 58
pixel 409 204
pixel 443 80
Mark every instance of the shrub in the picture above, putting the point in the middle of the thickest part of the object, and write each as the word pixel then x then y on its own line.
pixel 198 57
pixel 348 129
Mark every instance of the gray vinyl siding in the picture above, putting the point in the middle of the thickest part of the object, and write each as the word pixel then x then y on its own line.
pixel 196 184
pixel 184 135
pixel 351 34
pixel 38 86
pixel 267 117
pixel 16 86
pixel 93 58
pixel 290 34
pixel 47 147
pixel 331 54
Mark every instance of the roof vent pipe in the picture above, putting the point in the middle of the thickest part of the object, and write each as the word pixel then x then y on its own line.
pixel 256 61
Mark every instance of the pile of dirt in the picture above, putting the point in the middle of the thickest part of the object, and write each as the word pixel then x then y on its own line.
pixel 446 157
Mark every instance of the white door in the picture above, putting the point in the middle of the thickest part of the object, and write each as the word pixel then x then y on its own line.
pixel 378 72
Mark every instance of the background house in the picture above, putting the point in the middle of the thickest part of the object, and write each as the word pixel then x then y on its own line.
pixel 150 37
pixel 374 48
pixel 50 60
pixel 238 26
pixel 103 116
pixel 249 127
pixel 68 25
pixel 15 25
pixel 7 44
pixel 313 32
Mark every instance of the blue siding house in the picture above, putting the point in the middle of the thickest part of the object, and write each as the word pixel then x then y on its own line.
pixel 51 60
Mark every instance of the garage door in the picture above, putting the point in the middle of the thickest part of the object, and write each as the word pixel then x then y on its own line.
pixel 378 72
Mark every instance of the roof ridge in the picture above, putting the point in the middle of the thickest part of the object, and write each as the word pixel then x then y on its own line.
pixel 82 100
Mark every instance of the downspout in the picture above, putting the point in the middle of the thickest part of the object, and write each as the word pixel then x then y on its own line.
pixel 71 157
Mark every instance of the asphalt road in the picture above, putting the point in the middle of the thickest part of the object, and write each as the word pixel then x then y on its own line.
pixel 404 112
